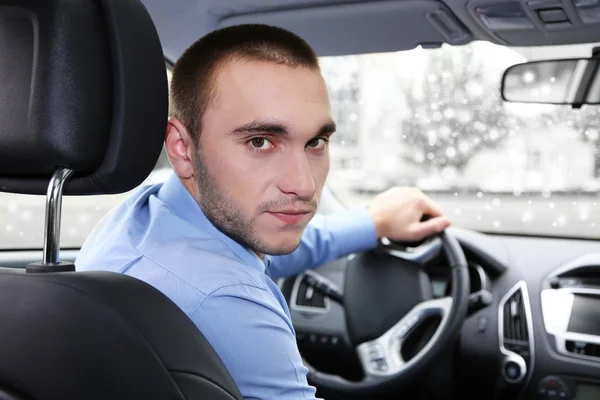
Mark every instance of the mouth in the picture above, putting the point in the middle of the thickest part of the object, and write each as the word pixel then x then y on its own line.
pixel 291 217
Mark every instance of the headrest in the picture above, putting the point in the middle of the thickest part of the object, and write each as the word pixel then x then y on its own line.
pixel 83 86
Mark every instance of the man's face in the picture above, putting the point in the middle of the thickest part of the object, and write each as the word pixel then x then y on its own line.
pixel 263 157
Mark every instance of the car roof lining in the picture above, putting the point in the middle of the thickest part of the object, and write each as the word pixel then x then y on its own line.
pixel 336 27
pixel 349 29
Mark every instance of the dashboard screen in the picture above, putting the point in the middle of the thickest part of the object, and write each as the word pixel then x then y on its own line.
pixel 585 315
pixel 587 392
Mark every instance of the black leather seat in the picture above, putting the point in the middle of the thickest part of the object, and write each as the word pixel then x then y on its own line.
pixel 83 88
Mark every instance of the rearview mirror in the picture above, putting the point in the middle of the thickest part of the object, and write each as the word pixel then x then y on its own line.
pixel 574 82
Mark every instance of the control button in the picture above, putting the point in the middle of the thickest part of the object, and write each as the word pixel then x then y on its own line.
pixel 323 339
pixel 379 365
pixel 334 340
pixel 375 351
pixel 312 338
pixel 512 370
pixel 300 336
pixel 553 388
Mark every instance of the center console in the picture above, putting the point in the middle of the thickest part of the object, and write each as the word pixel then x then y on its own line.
pixel 570 301
pixel 571 310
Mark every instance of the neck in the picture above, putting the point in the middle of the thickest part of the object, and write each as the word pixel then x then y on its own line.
pixel 191 186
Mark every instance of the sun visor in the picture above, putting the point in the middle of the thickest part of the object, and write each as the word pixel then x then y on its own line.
pixel 380 26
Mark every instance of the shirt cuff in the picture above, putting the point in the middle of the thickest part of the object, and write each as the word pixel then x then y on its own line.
pixel 353 230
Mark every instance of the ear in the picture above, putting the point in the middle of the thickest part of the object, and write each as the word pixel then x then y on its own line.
pixel 180 148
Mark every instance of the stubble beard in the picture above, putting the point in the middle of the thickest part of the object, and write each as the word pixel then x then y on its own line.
pixel 226 214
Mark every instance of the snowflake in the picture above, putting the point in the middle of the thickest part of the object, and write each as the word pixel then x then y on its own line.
pixel 445 131
pixel 562 220
pixel 27 215
pixel 419 157
pixel 12 206
pixel 528 77
pixel 464 146
pixel 431 138
pixel 592 134
pixel 465 116
pixel 449 113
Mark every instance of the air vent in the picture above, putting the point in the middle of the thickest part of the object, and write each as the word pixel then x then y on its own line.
pixel 516 331
pixel 306 298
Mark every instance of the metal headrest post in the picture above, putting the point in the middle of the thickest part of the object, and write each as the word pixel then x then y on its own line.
pixel 54 194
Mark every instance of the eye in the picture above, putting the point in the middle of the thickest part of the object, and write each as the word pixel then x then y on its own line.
pixel 317 143
pixel 260 143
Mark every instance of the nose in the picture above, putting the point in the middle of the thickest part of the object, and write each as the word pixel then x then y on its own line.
pixel 296 176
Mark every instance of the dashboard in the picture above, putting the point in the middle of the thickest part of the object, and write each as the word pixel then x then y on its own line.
pixel 536 335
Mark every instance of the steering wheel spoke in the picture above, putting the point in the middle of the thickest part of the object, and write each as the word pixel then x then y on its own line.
pixel 420 254
pixel 383 356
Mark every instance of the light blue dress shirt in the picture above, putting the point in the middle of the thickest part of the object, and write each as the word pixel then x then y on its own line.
pixel 161 236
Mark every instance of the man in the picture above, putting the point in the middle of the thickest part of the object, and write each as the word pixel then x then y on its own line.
pixel 248 141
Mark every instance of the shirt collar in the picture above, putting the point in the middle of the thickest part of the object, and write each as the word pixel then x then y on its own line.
pixel 180 201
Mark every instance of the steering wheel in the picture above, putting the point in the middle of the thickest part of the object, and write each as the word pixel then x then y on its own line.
pixel 387 304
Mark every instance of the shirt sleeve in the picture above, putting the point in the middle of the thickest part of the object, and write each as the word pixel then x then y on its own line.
pixel 327 238
pixel 255 339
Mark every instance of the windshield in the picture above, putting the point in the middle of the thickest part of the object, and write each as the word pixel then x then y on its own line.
pixel 427 118
pixel 434 119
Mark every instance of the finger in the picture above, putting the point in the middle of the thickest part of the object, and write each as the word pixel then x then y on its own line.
pixel 430 227
pixel 430 207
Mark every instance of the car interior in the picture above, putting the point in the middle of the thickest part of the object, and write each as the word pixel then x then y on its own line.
pixel 488 106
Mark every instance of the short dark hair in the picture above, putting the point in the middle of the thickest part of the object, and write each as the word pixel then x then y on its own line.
pixel 194 73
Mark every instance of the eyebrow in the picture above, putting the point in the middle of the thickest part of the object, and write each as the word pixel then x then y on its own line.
pixel 328 129
pixel 279 129
pixel 262 127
